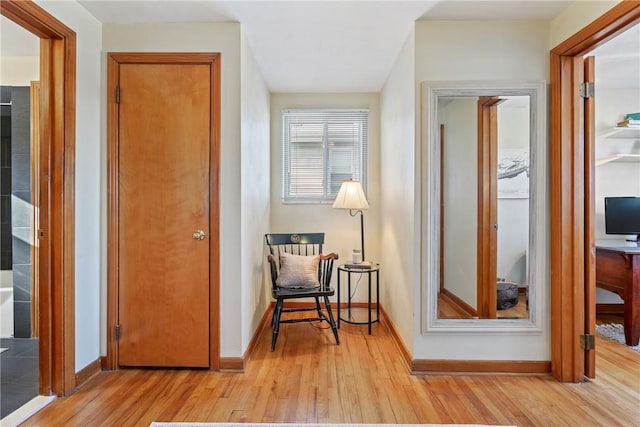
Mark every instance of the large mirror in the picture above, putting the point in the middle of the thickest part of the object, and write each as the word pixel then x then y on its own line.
pixel 484 151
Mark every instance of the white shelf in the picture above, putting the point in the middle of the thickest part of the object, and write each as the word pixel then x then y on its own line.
pixel 622 133
pixel 618 158
pixel 628 134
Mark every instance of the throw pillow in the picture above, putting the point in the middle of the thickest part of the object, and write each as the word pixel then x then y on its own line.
pixel 298 271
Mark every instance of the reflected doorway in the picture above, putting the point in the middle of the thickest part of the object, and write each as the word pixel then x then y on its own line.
pixel 484 186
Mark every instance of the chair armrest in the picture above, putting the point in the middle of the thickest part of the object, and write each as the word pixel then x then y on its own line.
pixel 331 255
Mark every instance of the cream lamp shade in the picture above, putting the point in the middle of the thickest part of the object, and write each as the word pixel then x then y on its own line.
pixel 351 196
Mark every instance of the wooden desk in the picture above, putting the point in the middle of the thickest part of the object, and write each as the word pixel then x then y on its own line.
pixel 618 270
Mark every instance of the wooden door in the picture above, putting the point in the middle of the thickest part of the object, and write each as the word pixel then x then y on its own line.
pixel 589 214
pixel 163 214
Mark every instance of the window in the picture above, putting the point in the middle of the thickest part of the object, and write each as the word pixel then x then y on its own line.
pixel 322 148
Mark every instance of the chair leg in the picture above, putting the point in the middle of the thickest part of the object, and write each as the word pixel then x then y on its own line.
pixel 276 322
pixel 318 307
pixel 332 322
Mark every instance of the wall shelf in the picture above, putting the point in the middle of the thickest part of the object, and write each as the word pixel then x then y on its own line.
pixel 622 133
pixel 618 158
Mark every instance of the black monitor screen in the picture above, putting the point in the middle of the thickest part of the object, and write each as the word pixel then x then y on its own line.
pixel 622 215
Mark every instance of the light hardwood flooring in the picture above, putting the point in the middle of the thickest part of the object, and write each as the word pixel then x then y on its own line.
pixel 363 380
pixel 446 310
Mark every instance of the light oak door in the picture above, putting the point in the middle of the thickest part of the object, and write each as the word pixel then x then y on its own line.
pixel 164 122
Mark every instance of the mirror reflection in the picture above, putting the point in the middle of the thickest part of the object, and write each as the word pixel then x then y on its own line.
pixel 484 147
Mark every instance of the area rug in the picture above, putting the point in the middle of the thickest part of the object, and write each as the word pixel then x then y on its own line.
pixel 159 424
pixel 615 332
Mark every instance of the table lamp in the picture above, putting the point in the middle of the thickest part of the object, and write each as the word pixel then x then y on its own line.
pixel 351 196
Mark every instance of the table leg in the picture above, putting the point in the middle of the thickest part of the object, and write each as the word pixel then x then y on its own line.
pixel 632 303
pixel 378 296
pixel 338 304
pixel 349 294
pixel 369 306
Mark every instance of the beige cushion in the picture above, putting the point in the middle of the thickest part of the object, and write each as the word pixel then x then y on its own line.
pixel 298 271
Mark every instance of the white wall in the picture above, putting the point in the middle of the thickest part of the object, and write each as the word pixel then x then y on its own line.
pixel 19 50
pixel 575 17
pixel 255 183
pixel 19 70
pixel 513 213
pixel 617 178
pixel 399 195
pixel 342 232
pixel 482 50
pixel 203 37
pixel 14 71
pixel 460 196
pixel 88 327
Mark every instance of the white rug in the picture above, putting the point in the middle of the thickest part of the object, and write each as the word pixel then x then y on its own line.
pixel 160 424
pixel 2 350
pixel 615 332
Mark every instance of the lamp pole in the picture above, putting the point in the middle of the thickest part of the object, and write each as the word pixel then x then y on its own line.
pixel 361 229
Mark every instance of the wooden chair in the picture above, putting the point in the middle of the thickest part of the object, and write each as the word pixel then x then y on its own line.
pixel 307 245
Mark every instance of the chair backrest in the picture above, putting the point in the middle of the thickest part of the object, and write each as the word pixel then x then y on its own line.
pixel 298 244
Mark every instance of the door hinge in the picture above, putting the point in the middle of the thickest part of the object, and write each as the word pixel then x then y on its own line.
pixel 117 94
pixel 587 342
pixel 587 89
pixel 117 332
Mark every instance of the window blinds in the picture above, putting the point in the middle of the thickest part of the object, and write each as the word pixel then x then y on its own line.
pixel 322 148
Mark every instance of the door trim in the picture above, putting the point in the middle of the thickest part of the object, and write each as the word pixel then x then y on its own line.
pixel 57 204
pixel 589 217
pixel 113 62
pixel 569 260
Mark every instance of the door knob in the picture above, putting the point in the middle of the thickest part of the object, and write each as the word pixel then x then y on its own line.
pixel 199 235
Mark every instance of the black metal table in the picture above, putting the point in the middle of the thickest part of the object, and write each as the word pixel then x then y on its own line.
pixel 350 271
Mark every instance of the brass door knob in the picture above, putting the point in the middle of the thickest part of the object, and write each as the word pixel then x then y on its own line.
pixel 199 235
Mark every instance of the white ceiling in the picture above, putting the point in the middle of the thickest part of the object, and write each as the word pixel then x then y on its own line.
pixel 331 45
pixel 321 46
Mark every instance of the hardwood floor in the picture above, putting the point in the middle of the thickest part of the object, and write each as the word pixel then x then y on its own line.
pixel 447 310
pixel 363 380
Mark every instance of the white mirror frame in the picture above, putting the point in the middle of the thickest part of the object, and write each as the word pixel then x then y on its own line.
pixel 538 278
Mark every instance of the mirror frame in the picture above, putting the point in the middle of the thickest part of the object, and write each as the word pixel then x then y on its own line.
pixel 537 275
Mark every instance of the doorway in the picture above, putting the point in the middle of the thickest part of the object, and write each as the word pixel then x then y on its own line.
pixel 55 306
pixel 18 273
pixel 572 283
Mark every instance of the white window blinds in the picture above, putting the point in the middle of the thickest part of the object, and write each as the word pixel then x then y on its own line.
pixel 322 148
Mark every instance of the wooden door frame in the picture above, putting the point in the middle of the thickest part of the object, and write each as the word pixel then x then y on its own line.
pixel 589 217
pixel 57 200
pixel 570 262
pixel 113 62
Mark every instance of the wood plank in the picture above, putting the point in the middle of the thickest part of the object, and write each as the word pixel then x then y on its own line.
pixel 310 379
